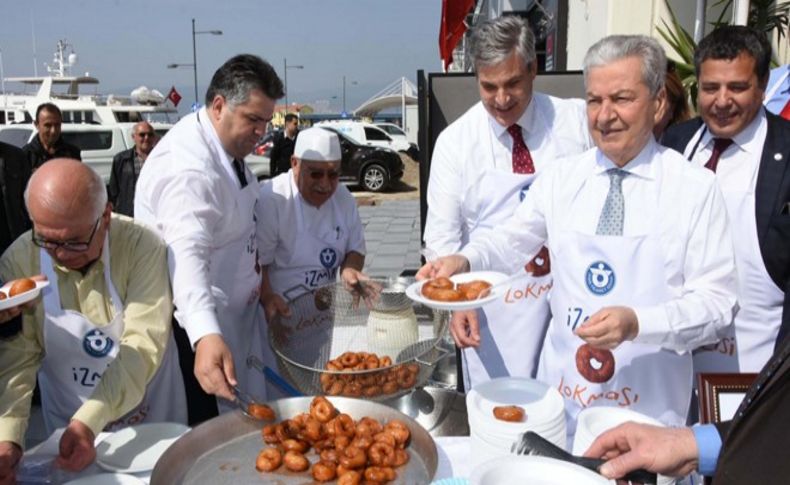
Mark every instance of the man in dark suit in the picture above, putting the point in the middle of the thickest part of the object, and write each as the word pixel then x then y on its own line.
pixel 126 166
pixel 283 146
pixel 48 142
pixel 749 150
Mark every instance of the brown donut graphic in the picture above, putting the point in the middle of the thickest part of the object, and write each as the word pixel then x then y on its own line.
pixel 584 365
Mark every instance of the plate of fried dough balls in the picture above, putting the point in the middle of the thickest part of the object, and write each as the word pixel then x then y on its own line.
pixel 17 292
pixel 465 291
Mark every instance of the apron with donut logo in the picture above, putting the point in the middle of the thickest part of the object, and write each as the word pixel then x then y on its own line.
pixel 592 272
pixel 749 342
pixel 314 261
pixel 76 353
pixel 513 327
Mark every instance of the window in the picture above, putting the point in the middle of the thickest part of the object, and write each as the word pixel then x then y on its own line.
pixel 392 130
pixel 374 134
pixel 90 140
pixel 16 136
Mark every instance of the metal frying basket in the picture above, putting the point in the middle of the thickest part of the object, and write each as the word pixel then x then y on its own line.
pixel 331 320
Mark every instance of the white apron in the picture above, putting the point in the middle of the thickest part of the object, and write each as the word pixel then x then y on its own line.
pixel 592 272
pixel 750 341
pixel 513 327
pixel 76 353
pixel 314 262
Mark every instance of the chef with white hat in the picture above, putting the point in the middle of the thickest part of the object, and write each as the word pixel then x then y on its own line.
pixel 308 226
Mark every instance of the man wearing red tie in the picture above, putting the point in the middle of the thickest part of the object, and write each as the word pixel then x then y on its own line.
pixel 749 150
pixel 481 168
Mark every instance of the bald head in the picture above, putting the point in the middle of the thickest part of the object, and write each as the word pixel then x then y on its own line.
pixel 67 189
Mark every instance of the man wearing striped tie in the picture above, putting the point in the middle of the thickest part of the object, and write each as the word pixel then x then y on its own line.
pixel 639 243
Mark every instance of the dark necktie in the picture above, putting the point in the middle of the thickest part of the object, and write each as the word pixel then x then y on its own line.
pixel 719 145
pixel 522 160
pixel 238 167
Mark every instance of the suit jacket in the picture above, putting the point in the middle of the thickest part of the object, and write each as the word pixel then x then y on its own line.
pixel 280 154
pixel 756 441
pixel 772 196
pixel 14 173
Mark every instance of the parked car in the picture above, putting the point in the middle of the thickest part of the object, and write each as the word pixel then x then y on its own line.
pixel 98 144
pixel 396 133
pixel 264 146
pixel 373 168
pixel 367 134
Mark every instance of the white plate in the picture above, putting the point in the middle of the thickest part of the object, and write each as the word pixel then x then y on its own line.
pixel 22 298
pixel 535 470
pixel 107 479
pixel 414 291
pixel 137 448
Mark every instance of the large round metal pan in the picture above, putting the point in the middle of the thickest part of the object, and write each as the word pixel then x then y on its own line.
pixel 223 450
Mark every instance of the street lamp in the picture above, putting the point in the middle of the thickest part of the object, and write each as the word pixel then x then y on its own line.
pixel 193 65
pixel 353 83
pixel 285 76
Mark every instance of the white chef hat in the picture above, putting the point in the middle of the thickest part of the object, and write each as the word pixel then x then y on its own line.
pixel 317 145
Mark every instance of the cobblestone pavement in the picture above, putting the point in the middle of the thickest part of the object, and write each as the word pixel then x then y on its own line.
pixel 392 236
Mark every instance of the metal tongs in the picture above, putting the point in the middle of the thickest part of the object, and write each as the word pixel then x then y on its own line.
pixel 532 443
pixel 244 401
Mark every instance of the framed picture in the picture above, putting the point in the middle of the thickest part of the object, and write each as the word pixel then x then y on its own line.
pixel 721 394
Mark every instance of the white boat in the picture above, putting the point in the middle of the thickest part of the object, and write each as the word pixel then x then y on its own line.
pixel 63 89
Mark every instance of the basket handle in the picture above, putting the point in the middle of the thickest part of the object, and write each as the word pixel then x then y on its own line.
pixel 272 377
pixel 443 352
pixel 287 293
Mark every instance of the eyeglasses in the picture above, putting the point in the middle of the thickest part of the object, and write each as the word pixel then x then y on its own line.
pixel 74 247
pixel 319 174
pixel 144 134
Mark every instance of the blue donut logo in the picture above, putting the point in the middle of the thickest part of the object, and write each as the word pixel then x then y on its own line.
pixel 523 192
pixel 600 278
pixel 96 344
pixel 328 257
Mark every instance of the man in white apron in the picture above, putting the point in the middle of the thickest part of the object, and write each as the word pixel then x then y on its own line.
pixel 753 173
pixel 197 192
pixel 642 261
pixel 482 166
pixel 100 342
pixel 309 230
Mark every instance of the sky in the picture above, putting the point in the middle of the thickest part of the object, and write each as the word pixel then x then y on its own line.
pixel 126 44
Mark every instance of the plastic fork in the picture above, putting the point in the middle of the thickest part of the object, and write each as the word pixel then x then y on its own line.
pixel 532 443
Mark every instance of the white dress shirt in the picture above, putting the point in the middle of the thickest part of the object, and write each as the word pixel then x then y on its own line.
pixel 552 127
pixel 278 233
pixel 184 194
pixel 664 195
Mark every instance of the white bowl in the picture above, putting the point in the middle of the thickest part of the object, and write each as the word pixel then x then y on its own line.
pixel 533 470
pixel 542 404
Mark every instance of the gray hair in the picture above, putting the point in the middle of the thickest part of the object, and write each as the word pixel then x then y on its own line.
pixel 95 193
pixel 616 47
pixel 239 76
pixel 492 41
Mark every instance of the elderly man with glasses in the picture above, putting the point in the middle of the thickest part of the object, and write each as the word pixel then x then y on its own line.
pixel 126 166
pixel 100 341
pixel 309 228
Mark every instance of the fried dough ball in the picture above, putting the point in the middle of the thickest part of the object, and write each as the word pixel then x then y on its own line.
pixel 261 411
pixel 513 414
pixel 296 462
pixel 268 460
pixel 324 471
pixel 20 286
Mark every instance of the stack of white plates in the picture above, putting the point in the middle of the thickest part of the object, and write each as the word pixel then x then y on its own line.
pixel 593 422
pixel 533 470
pixel 492 438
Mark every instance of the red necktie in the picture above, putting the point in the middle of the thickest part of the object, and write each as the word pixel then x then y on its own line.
pixel 786 111
pixel 522 160
pixel 719 145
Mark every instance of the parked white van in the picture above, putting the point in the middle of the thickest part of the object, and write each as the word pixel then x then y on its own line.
pixel 98 143
pixel 367 134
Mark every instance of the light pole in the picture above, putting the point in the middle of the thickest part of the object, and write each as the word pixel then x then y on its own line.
pixel 285 79
pixel 193 65
pixel 353 83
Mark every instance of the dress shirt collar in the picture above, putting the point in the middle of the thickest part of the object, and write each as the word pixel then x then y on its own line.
pixel 748 139
pixel 526 121
pixel 640 165
pixel 208 126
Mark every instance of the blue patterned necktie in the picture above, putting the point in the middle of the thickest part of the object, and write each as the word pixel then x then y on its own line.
pixel 611 221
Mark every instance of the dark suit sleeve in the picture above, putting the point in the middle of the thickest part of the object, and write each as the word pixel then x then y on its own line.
pixel 114 187
pixel 723 428
pixel 274 154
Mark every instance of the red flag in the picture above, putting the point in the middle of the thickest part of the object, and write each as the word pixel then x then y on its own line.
pixel 452 27
pixel 174 96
